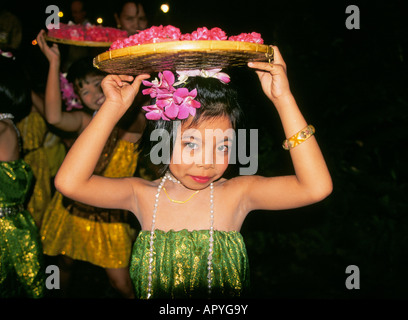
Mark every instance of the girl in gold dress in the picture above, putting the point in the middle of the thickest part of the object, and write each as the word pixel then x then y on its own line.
pixel 70 228
pixel 44 152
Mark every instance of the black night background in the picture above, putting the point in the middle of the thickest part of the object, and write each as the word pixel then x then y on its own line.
pixel 352 86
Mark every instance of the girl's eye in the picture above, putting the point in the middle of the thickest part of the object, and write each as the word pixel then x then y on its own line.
pixel 191 145
pixel 223 148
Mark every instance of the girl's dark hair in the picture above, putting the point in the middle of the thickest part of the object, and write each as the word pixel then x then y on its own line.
pixel 80 69
pixel 217 100
pixel 77 73
pixel 118 6
pixel 15 89
pixel 148 7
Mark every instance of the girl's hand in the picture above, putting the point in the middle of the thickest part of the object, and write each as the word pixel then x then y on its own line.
pixel 273 77
pixel 52 53
pixel 121 90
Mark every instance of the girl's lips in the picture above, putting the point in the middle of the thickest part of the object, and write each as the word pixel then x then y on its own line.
pixel 200 179
pixel 100 101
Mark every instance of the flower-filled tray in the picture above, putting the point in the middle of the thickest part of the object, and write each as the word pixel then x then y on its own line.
pixel 181 55
pixel 161 48
pixel 80 43
pixel 84 35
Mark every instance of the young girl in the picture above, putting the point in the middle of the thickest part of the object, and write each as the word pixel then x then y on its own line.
pixel 44 152
pixel 190 245
pixel 130 16
pixel 22 272
pixel 71 228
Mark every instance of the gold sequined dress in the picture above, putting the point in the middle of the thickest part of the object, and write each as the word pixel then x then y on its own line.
pixel 44 152
pixel 102 237
pixel 22 272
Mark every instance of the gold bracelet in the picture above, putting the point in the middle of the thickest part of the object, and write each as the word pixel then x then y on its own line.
pixel 298 138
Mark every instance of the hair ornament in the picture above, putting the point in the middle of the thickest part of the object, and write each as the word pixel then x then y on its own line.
pixel 7 54
pixel 68 94
pixel 176 103
pixel 213 73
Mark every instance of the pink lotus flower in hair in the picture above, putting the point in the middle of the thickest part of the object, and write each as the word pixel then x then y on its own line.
pixel 164 84
pixel 172 103
pixel 186 102
pixel 154 112
pixel 166 101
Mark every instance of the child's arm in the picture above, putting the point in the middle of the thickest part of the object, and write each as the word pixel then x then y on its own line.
pixel 66 121
pixel 75 178
pixel 312 181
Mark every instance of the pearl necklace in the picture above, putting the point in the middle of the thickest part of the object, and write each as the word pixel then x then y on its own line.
pixel 167 176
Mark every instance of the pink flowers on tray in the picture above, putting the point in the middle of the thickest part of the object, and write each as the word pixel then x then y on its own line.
pixel 87 32
pixel 169 33
pixel 205 34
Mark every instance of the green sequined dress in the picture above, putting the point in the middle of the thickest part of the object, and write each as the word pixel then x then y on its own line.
pixel 180 264
pixel 21 259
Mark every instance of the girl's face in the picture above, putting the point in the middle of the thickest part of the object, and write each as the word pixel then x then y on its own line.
pixel 91 93
pixel 200 154
pixel 132 18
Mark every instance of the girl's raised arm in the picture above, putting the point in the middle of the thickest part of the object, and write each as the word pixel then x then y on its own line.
pixel 75 178
pixel 312 181
pixel 66 121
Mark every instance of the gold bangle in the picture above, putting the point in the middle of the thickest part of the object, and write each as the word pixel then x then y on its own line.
pixel 298 138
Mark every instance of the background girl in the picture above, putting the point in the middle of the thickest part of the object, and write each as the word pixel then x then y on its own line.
pixel 72 229
pixel 22 272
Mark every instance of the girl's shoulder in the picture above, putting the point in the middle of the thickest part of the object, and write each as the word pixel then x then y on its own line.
pixel 9 144
pixel 238 181
pixel 140 184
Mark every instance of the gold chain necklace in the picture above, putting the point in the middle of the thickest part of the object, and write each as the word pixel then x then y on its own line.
pixel 179 201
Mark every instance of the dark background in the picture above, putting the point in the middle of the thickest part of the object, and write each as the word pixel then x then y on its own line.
pixel 352 86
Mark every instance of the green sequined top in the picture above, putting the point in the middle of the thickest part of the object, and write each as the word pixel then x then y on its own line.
pixel 21 260
pixel 16 179
pixel 180 264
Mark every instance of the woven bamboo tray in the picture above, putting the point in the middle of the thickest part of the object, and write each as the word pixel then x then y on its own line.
pixel 78 43
pixel 181 55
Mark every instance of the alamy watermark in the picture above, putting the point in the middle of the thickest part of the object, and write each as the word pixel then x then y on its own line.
pixel 53 280
pixel 53 20
pixel 353 20
pixel 353 280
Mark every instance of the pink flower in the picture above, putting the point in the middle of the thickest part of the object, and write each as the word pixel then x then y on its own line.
pixel 171 103
pixel 68 95
pixel 170 33
pixel 154 112
pixel 185 37
pixel 166 100
pixel 161 85
pixel 247 37
pixel 200 34
pixel 186 102
pixel 217 34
